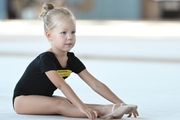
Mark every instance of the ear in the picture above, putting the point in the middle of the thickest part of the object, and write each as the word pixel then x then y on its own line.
pixel 49 35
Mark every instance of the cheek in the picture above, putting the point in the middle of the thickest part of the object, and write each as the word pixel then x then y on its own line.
pixel 61 41
pixel 74 37
pixel 61 38
pixel 74 40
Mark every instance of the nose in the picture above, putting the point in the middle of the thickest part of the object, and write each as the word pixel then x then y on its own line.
pixel 69 36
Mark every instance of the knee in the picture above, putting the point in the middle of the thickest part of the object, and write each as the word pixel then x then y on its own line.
pixel 62 105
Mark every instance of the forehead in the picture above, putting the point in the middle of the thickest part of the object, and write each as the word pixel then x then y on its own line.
pixel 67 23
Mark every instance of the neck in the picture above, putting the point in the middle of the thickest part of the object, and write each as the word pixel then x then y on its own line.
pixel 58 54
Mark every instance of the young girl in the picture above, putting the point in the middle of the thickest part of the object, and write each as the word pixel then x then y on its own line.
pixel 33 93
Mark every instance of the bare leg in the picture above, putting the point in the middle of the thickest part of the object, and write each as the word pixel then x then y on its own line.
pixel 34 104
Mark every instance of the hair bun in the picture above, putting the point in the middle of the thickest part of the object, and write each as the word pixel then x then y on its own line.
pixel 45 9
pixel 48 7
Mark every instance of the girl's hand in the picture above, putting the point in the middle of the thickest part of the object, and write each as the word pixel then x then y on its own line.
pixel 91 114
pixel 135 113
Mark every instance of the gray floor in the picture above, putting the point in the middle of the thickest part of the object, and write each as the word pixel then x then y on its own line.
pixel 140 71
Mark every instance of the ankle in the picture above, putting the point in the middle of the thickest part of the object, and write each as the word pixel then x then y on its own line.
pixel 106 109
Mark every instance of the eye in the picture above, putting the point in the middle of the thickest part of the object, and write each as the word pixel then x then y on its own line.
pixel 64 32
pixel 73 32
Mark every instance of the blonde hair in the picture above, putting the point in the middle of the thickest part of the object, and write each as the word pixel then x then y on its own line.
pixel 52 16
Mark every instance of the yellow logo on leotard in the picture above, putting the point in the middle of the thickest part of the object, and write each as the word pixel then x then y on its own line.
pixel 64 73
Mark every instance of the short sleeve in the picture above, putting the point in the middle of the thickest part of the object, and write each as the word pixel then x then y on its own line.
pixel 46 63
pixel 77 65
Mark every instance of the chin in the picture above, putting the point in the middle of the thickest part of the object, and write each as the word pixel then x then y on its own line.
pixel 67 50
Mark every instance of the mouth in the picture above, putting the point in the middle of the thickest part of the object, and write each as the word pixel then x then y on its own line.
pixel 69 44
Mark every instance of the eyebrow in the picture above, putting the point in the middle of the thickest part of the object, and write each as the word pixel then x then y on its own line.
pixel 72 29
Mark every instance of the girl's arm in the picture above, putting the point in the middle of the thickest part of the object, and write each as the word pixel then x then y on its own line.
pixel 59 82
pixel 102 89
pixel 99 87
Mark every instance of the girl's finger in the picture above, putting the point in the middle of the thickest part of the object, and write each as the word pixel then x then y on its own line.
pixel 96 114
pixel 88 114
pixel 91 115
pixel 135 114
pixel 130 115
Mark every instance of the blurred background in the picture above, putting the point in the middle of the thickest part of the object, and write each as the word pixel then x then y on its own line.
pixel 96 9
pixel 133 46
pixel 144 21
